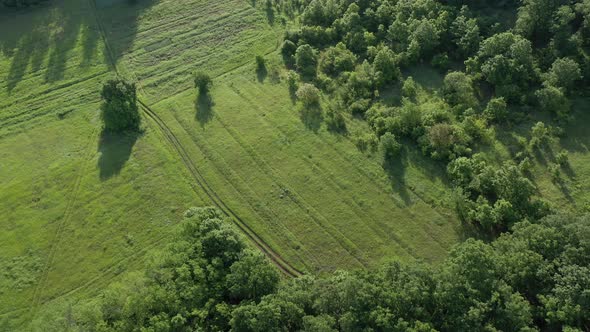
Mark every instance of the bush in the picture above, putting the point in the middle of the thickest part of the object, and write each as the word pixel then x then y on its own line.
pixel 410 88
pixel 288 51
pixel 292 81
pixel 389 147
pixel 562 158
pixel 306 61
pixel 119 109
pixel 308 94
pixel 496 109
pixel 203 82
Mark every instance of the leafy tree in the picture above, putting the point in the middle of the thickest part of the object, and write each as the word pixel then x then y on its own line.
pixel 466 34
pixel 389 147
pixel 458 90
pixel 308 94
pixel 385 67
pixel 119 107
pixel 203 82
pixel 288 50
pixel 336 60
pixel 496 109
pixel 506 61
pixel 552 99
pixel 306 61
pixel 563 73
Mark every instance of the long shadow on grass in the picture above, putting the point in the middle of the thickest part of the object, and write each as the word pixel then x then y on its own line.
pixel 204 108
pixel 51 33
pixel 312 117
pixel 115 149
pixel 396 171
pixel 261 73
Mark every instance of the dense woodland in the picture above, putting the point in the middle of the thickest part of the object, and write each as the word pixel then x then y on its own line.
pixel 532 273
pixel 534 278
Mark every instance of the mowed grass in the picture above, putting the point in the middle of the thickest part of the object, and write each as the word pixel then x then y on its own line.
pixel 79 208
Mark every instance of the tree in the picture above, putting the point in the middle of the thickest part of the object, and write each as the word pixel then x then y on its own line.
pixel 466 34
pixel 203 82
pixel 336 60
pixel 389 147
pixel 308 94
pixel 496 110
pixel 458 90
pixel 306 61
pixel 506 61
pixel 385 67
pixel 552 99
pixel 119 108
pixel 563 73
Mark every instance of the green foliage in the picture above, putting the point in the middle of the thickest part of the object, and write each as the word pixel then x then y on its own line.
pixel 506 61
pixel 385 67
pixel 535 277
pixel 458 91
pixel 389 146
pixel 563 74
pixel 119 111
pixel 306 61
pixel 496 110
pixel 336 60
pixel 309 95
pixel 495 197
pixel 205 272
pixel 466 34
pixel 410 88
pixel 203 82
pixel 540 135
pixel 553 100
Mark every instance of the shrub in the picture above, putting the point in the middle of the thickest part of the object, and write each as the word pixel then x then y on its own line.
pixel 306 61
pixel 119 108
pixel 308 94
pixel 203 82
pixel 562 158
pixel 410 88
pixel 292 79
pixel 496 109
pixel 389 146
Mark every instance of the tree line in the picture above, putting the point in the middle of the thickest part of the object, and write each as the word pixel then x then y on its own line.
pixel 536 278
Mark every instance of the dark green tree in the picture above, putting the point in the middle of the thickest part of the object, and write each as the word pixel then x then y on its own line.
pixel 119 111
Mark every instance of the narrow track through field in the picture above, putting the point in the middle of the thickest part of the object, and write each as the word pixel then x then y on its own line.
pixel 277 260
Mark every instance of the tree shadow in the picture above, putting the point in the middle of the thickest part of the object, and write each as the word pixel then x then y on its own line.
pixel 396 171
pixel 204 108
pixel 261 73
pixel 62 32
pixel 115 149
pixel 312 117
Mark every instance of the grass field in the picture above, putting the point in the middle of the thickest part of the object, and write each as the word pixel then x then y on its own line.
pixel 80 207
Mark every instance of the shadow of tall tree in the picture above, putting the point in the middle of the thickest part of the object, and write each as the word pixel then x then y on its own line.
pixel 115 150
pixel 52 33
pixel 312 117
pixel 396 172
pixel 204 108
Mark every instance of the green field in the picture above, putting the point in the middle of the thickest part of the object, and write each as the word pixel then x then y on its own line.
pixel 80 207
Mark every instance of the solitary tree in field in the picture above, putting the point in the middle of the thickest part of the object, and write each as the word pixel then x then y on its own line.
pixel 119 108
pixel 203 82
